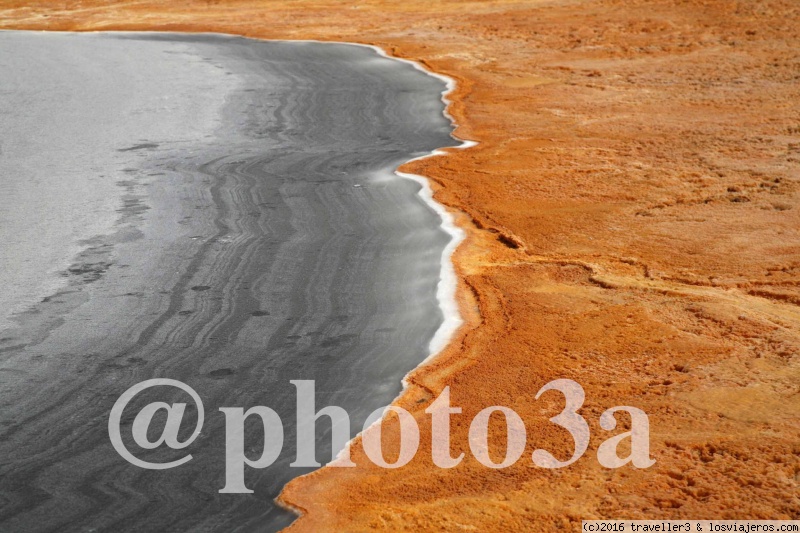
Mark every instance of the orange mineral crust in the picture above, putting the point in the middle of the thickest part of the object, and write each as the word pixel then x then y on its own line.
pixel 633 224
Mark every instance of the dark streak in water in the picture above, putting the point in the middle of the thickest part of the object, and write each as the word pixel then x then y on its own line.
pixel 142 146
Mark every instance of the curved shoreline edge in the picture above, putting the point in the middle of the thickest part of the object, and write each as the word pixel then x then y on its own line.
pixel 448 280
pixel 446 291
pixel 447 287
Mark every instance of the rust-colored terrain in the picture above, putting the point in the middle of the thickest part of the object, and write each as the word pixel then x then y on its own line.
pixel 633 224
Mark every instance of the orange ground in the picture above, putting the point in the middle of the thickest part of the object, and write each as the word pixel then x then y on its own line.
pixel 633 224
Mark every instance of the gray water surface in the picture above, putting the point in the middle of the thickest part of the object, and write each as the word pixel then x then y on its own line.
pixel 211 209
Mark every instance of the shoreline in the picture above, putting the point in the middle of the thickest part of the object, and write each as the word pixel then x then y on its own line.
pixel 447 288
pixel 631 224
pixel 387 226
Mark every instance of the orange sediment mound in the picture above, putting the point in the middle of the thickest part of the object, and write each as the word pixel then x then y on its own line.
pixel 633 224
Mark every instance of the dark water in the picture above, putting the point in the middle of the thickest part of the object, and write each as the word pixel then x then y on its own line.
pixel 257 236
